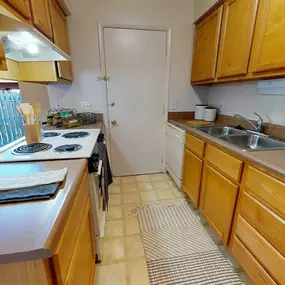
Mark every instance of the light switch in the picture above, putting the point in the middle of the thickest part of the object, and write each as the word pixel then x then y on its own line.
pixel 173 104
pixel 85 106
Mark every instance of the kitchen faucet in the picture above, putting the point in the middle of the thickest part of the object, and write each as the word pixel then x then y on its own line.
pixel 258 128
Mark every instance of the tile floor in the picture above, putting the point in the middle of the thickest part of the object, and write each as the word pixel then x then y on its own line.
pixel 123 260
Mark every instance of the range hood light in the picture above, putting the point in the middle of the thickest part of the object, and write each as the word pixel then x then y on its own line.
pixel 32 48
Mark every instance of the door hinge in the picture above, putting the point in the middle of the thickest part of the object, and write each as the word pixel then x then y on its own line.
pixel 166 52
pixel 161 160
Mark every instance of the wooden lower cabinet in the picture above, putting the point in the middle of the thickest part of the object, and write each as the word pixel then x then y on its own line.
pixel 82 265
pixel 218 201
pixel 192 174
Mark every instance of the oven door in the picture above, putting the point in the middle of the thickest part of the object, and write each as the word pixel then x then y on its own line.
pixel 98 215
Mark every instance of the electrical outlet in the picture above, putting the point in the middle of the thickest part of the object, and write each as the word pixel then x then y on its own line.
pixel 173 104
pixel 222 106
pixel 85 106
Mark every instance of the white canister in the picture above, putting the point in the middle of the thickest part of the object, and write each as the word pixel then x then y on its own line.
pixel 210 114
pixel 200 112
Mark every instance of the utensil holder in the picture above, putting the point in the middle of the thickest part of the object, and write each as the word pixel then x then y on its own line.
pixel 33 133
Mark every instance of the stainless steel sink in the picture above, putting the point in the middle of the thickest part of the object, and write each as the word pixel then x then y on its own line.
pixel 220 131
pixel 243 139
pixel 249 142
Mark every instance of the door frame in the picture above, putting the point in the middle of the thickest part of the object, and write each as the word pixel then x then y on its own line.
pixel 166 88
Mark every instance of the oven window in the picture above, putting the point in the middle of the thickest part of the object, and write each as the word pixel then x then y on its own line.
pixel 11 122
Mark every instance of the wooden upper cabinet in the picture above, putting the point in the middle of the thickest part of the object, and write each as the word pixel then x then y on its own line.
pixel 206 45
pixel 60 35
pixel 22 6
pixel 41 16
pixel 236 37
pixel 269 41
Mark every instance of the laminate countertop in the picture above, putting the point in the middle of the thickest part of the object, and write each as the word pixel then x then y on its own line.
pixel 270 160
pixel 30 230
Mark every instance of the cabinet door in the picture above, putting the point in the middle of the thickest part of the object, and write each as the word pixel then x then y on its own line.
pixel 23 6
pixel 60 34
pixel 219 200
pixel 81 269
pixel 192 176
pixel 207 36
pixel 236 37
pixel 41 16
pixel 3 62
pixel 269 41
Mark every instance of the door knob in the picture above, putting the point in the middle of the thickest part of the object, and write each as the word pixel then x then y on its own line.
pixel 112 104
pixel 114 122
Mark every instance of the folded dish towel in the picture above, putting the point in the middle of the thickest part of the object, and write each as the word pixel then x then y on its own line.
pixel 32 179
pixel 31 186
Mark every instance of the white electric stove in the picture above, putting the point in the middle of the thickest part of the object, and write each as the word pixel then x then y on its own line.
pixel 60 145
pixel 63 144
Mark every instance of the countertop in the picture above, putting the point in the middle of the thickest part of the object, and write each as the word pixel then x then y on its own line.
pixel 28 230
pixel 98 125
pixel 271 160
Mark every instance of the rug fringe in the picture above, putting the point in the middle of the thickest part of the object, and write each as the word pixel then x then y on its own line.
pixel 143 206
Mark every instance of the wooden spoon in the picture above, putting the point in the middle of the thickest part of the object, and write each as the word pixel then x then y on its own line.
pixel 37 110
pixel 27 111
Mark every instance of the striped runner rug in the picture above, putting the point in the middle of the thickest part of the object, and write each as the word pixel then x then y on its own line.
pixel 178 249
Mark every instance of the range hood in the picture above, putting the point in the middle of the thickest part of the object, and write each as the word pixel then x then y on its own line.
pixel 23 43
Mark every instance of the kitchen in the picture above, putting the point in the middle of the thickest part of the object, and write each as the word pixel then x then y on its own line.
pixel 235 190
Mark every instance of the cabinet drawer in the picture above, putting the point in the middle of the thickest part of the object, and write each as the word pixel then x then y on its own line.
pixel 264 252
pixel 250 265
pixel 268 189
pixel 271 226
pixel 194 144
pixel 225 162
pixel 67 242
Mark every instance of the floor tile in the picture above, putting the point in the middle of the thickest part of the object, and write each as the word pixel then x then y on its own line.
pixel 113 250
pixel 114 189
pixel 157 177
pixel 160 184
pixel 129 210
pixel 116 180
pixel 177 193
pixel 148 196
pixel 115 200
pixel 114 228
pixel 128 179
pixel 111 274
pixel 167 176
pixel 134 246
pixel 165 194
pixel 145 186
pixel 131 198
pixel 129 188
pixel 142 178
pixel 114 213
pixel 131 226
pixel 137 272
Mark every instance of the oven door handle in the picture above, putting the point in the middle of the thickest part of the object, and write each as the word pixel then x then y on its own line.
pixel 100 164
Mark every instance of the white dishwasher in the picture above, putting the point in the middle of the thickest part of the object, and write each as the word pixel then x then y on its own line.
pixel 175 141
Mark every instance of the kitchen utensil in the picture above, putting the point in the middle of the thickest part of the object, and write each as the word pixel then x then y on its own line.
pixel 27 112
pixel 210 114
pixel 199 112
pixel 20 111
pixel 37 110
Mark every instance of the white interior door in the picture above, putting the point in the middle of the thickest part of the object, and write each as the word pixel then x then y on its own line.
pixel 136 64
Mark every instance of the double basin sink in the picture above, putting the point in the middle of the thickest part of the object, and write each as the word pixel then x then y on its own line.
pixel 243 139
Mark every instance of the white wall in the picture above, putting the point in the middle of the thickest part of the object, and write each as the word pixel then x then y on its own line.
pixel 158 14
pixel 243 98
pixel 32 92
pixel 201 6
